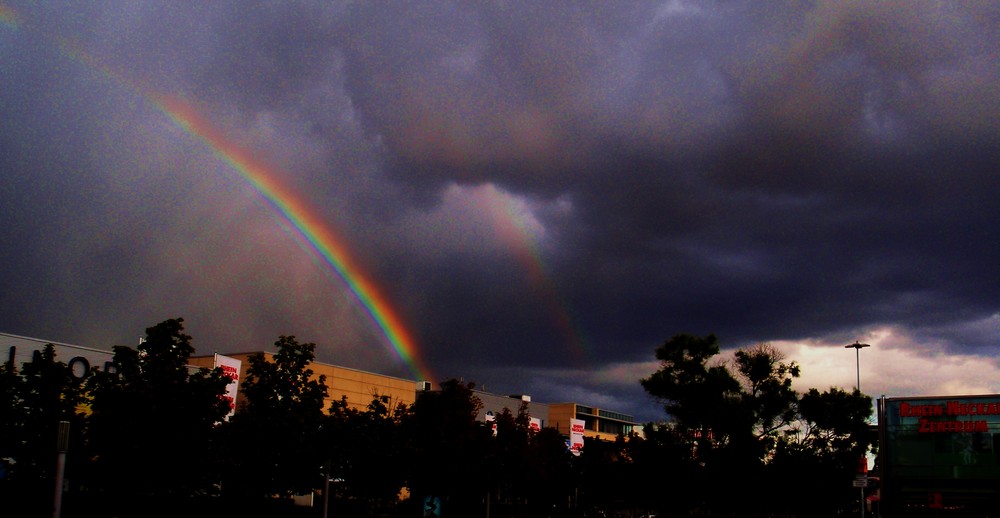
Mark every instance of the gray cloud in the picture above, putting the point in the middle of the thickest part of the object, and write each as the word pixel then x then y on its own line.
pixel 765 171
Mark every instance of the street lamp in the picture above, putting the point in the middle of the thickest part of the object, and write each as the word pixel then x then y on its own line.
pixel 857 357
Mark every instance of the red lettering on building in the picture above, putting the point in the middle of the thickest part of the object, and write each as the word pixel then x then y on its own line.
pixel 951 426
pixel 908 410
pixel 959 408
pixel 230 372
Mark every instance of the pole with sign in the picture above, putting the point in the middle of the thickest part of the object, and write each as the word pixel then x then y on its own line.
pixel 62 446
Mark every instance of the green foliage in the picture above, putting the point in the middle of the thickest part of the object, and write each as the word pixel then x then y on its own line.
pixel 450 447
pixel 33 403
pixel 369 451
pixel 152 428
pixel 702 398
pixel 156 433
pixel 832 434
pixel 11 414
pixel 273 439
pixel 526 466
pixel 747 426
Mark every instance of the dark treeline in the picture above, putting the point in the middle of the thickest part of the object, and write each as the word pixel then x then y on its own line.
pixel 150 438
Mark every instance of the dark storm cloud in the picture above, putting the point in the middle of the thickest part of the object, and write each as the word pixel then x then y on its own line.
pixel 768 171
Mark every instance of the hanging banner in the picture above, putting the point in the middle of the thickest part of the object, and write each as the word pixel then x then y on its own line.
pixel 576 427
pixel 491 421
pixel 231 368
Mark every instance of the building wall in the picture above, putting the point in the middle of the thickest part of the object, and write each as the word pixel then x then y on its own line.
pixel 496 403
pixel 559 416
pixel 598 423
pixel 21 349
pixel 358 386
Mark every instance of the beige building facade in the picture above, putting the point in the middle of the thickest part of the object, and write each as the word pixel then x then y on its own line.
pixel 598 423
pixel 359 387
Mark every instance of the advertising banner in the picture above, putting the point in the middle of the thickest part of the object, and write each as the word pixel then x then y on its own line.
pixel 576 427
pixel 491 420
pixel 231 368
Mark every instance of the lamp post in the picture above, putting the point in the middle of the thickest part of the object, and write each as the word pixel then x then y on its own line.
pixel 857 346
pixel 857 358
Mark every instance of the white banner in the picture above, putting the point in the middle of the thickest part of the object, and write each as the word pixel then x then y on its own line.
pixel 231 368
pixel 492 420
pixel 576 427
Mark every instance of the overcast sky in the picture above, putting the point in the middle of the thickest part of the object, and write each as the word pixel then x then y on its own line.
pixel 544 192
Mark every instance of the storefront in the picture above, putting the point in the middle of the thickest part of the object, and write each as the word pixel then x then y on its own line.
pixel 940 456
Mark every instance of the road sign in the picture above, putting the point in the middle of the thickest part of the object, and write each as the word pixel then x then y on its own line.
pixel 432 507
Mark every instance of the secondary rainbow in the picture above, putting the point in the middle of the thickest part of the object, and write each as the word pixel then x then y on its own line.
pixel 320 236
pixel 511 225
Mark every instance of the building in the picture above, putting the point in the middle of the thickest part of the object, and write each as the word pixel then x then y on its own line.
pixel 494 405
pixel 359 387
pixel 20 350
pixel 939 456
pixel 598 423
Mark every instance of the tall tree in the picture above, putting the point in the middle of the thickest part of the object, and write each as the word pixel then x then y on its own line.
pixel 749 427
pixel 827 442
pixel 703 398
pixel 369 452
pixel 153 421
pixel 279 419
pixel 35 400
pixel 451 448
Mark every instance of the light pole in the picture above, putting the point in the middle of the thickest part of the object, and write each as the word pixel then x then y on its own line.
pixel 857 357
pixel 857 346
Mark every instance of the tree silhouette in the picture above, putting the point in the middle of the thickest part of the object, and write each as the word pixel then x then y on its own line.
pixel 451 448
pixel 273 439
pixel 747 427
pixel 34 401
pixel 369 451
pixel 152 429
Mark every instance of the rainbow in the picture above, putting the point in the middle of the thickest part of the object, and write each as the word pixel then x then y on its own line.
pixel 319 235
pixel 8 16
pixel 513 227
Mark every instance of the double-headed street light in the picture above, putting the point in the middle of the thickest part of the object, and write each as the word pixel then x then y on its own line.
pixel 857 357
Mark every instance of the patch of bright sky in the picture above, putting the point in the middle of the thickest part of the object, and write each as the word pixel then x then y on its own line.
pixel 481 220
pixel 896 365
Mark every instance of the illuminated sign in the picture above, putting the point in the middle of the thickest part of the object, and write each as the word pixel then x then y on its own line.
pixel 942 438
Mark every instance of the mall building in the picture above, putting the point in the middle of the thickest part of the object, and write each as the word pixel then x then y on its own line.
pixel 939 456
pixel 357 386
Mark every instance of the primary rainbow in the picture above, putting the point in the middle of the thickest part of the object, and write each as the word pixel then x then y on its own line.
pixel 320 236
